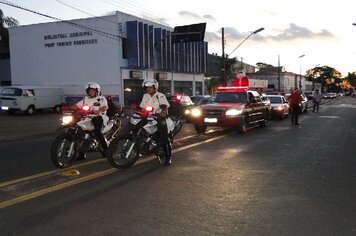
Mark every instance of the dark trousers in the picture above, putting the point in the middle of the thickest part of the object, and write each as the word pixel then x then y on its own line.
pixel 163 135
pixel 316 105
pixel 98 125
pixel 295 113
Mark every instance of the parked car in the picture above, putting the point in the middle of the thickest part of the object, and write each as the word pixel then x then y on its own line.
pixel 30 98
pixel 179 103
pixel 329 95
pixel 280 106
pixel 309 94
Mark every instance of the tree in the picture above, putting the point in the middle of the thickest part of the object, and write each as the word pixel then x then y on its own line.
pixel 5 22
pixel 351 78
pixel 327 76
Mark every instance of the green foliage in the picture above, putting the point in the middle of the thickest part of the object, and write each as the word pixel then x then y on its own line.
pixel 327 76
pixel 351 77
pixel 4 23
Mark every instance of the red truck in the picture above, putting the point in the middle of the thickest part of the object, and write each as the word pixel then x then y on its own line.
pixel 235 107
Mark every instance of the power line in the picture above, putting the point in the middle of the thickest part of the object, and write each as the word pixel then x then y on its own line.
pixel 100 32
pixel 77 9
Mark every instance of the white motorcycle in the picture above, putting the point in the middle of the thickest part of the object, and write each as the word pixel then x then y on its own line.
pixel 79 136
pixel 142 139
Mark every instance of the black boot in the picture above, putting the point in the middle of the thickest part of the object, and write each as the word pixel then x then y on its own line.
pixel 168 152
pixel 81 156
pixel 103 146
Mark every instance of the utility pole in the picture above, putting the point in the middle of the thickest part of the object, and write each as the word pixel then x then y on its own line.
pixel 223 72
pixel 279 75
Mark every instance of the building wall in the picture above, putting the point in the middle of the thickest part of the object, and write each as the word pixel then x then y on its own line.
pixel 62 54
pixel 72 53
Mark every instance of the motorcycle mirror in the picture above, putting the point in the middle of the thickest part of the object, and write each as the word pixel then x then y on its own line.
pixel 133 107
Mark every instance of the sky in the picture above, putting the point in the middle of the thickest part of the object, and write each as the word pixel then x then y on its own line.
pixel 321 30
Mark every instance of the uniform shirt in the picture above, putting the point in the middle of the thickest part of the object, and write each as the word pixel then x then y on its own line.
pixel 95 103
pixel 295 97
pixel 154 101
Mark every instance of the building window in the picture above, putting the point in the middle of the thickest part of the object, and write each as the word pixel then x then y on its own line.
pixel 124 47
pixel 198 88
pixel 185 87
pixel 165 87
pixel 133 91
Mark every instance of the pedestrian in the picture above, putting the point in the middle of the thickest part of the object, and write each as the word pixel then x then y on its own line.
pixel 316 100
pixel 295 102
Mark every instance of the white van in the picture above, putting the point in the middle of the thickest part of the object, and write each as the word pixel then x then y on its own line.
pixel 30 98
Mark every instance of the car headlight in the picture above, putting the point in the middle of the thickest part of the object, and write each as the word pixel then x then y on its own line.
pixel 233 112
pixel 279 108
pixel 187 112
pixel 67 120
pixel 196 112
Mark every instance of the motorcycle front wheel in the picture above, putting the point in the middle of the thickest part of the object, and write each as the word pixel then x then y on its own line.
pixel 123 152
pixel 61 155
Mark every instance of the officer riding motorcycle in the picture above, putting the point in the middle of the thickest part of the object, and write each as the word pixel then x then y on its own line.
pixel 158 101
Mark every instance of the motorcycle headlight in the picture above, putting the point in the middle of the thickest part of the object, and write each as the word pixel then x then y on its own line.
pixel 67 119
pixel 187 112
pixel 196 112
pixel 233 112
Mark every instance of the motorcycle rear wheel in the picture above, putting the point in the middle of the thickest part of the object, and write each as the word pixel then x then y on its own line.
pixel 123 152
pixel 59 151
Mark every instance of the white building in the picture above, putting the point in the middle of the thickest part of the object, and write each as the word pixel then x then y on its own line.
pixel 116 51
pixel 287 81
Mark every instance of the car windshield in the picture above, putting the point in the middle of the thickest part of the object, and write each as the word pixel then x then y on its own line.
pixel 228 97
pixel 11 92
pixel 275 99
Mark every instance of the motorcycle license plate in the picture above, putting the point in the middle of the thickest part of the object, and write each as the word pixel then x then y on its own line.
pixel 210 120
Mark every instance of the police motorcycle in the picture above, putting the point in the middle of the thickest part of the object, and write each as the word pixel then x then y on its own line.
pixel 79 135
pixel 142 139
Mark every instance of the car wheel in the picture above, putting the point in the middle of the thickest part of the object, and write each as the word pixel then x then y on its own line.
pixel 31 110
pixel 242 128
pixel 57 109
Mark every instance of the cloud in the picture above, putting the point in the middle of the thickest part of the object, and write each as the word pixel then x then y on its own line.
pixel 212 37
pixel 196 16
pixel 189 14
pixel 297 32
pixel 209 17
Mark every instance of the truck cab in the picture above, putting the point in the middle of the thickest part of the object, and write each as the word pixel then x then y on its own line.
pixel 236 107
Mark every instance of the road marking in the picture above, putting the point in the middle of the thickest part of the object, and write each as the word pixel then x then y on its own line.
pixel 85 178
pixel 15 181
pixel 55 188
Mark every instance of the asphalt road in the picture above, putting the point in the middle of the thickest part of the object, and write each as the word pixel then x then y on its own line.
pixel 279 180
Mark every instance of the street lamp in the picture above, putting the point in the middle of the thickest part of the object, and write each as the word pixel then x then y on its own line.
pixel 223 47
pixel 254 32
pixel 300 72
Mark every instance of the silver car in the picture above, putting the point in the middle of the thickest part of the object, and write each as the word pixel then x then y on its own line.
pixel 279 104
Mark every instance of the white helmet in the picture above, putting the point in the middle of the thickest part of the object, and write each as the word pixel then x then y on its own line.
pixel 150 82
pixel 93 85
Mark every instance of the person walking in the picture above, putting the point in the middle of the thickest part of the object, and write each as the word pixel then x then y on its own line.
pixel 295 101
pixel 316 100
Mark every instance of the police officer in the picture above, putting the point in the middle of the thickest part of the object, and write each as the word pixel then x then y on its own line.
pixel 99 107
pixel 155 99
